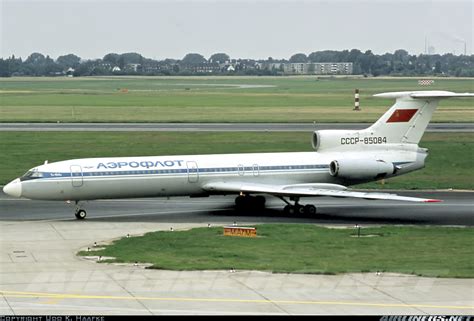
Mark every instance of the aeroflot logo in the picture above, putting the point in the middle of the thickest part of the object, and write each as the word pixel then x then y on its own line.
pixel 146 164
pixel 402 115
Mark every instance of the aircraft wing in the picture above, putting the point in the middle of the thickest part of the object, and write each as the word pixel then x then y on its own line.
pixel 332 190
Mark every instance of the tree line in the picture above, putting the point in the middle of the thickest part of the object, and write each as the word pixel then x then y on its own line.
pixel 398 63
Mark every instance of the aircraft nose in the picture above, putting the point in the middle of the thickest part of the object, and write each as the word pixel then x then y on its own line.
pixel 13 188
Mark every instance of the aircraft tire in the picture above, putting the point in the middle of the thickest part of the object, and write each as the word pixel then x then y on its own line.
pixel 240 202
pixel 309 209
pixel 259 202
pixel 289 210
pixel 81 214
pixel 300 209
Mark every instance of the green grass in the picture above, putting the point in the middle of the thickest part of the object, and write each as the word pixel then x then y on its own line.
pixel 450 164
pixel 212 99
pixel 427 251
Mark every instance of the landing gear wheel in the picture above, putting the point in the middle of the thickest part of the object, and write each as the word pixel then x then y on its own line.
pixel 299 209
pixel 81 214
pixel 259 202
pixel 240 202
pixel 309 209
pixel 288 210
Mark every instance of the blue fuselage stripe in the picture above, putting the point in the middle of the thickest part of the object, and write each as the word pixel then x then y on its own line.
pixel 210 170
pixel 214 170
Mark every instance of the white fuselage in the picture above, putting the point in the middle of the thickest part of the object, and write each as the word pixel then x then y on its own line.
pixel 127 177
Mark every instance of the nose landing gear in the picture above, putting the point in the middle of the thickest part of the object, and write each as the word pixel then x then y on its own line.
pixel 80 213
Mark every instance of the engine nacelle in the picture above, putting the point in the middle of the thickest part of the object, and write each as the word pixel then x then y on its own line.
pixel 327 139
pixel 361 169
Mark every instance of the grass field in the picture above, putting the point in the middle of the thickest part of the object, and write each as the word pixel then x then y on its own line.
pixel 213 99
pixel 427 251
pixel 450 164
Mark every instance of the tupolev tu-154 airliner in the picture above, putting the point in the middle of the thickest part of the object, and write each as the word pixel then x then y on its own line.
pixel 341 158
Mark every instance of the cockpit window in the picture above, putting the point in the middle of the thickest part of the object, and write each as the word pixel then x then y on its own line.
pixel 34 174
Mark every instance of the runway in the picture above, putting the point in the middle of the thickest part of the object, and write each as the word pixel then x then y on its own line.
pixel 41 274
pixel 456 209
pixel 214 127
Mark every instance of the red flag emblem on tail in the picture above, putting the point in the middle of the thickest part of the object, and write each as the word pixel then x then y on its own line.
pixel 402 115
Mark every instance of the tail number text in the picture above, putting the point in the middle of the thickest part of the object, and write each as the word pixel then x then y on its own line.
pixel 365 140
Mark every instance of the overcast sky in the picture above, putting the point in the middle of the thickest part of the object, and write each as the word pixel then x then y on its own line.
pixel 243 29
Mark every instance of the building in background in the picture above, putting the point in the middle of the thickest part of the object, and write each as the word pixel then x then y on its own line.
pixel 325 68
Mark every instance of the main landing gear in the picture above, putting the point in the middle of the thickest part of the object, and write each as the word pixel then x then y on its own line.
pixel 80 213
pixel 297 208
pixel 247 202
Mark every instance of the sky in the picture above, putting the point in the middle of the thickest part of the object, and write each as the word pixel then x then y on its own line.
pixel 243 29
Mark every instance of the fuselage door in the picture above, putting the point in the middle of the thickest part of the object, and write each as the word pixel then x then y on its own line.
pixel 241 169
pixel 256 170
pixel 76 175
pixel 193 172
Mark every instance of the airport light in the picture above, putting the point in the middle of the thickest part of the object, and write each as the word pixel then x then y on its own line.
pixel 357 226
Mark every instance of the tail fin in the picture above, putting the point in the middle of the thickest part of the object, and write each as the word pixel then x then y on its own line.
pixel 407 119
pixel 404 123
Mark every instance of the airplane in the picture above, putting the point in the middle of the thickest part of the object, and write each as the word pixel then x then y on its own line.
pixel 341 158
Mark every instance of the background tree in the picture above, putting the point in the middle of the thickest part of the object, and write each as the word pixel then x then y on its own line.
pixel 34 65
pixel 323 56
pixel 68 61
pixel 5 68
pixel 11 66
pixel 51 67
pixel 132 58
pixel 121 62
pixel 366 62
pixel 35 58
pixel 219 58
pixel 84 69
pixel 398 63
pixel 112 59
pixel 437 68
pixel 299 57
pixel 193 59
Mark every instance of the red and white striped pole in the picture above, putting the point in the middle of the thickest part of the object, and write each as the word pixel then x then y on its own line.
pixel 356 100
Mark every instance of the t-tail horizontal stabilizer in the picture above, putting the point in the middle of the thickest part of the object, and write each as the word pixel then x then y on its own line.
pixel 406 121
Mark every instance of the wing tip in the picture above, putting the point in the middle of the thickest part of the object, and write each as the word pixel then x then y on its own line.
pixel 433 201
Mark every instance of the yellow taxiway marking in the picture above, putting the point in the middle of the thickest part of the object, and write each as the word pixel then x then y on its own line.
pixel 52 300
pixel 58 296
